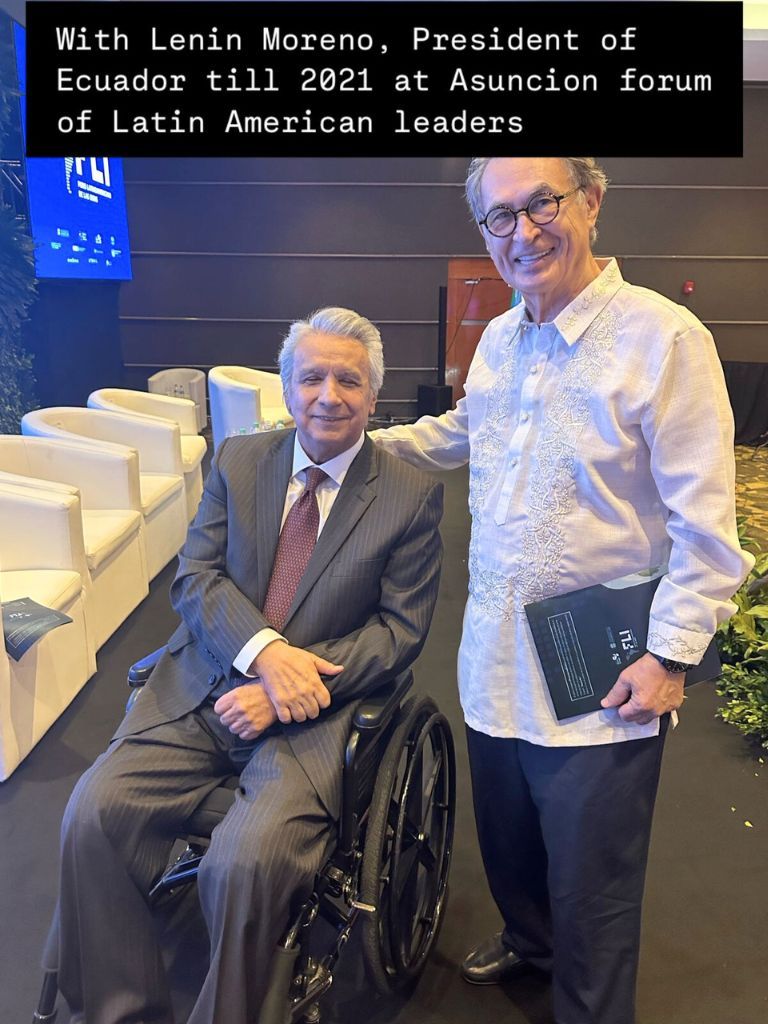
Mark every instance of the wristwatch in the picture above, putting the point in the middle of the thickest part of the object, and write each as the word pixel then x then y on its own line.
pixel 670 665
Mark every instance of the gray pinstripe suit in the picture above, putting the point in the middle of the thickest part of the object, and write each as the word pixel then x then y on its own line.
pixel 365 601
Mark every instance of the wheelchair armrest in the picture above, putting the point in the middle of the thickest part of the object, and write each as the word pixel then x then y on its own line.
pixel 376 710
pixel 139 672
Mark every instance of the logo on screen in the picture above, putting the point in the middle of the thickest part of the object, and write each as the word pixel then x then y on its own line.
pixel 91 175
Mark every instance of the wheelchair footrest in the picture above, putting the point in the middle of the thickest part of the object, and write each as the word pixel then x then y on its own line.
pixel 305 1005
pixel 274 1009
pixel 46 1011
pixel 181 873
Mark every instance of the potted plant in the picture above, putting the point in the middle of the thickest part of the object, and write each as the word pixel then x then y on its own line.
pixel 743 645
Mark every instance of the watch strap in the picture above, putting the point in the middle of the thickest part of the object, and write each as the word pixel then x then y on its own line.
pixel 669 664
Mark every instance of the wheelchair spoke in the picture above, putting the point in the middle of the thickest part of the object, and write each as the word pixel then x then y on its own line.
pixel 416 844
pixel 426 855
pixel 430 787
pixel 393 815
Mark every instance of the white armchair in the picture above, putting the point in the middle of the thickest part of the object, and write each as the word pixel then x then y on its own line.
pixel 161 472
pixel 107 482
pixel 41 557
pixel 240 397
pixel 181 411
pixel 192 381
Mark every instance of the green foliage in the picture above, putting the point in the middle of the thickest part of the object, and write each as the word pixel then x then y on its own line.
pixel 743 645
pixel 17 284
pixel 7 91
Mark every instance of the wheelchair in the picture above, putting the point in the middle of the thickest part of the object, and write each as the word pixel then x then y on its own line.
pixel 389 871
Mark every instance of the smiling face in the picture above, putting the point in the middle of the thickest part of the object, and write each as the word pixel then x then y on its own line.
pixel 330 394
pixel 548 264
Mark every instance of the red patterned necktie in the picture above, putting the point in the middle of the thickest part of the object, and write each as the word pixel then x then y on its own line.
pixel 297 540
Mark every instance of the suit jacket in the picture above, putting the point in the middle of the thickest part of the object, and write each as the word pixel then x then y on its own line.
pixel 365 600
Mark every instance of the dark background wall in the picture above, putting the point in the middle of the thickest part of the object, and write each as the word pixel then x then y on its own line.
pixel 227 252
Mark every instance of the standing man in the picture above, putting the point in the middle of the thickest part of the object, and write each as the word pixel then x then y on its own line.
pixel 599 438
pixel 307 580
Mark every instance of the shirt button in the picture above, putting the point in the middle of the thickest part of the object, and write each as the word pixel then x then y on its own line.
pixel 524 417
pixel 534 369
pixel 514 463
pixel 211 680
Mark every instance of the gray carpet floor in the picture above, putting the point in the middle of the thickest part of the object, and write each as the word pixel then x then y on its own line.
pixel 705 940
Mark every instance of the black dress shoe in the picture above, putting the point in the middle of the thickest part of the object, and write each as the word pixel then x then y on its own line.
pixel 492 962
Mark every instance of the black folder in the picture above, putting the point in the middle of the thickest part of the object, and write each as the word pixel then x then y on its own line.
pixel 586 638
pixel 25 622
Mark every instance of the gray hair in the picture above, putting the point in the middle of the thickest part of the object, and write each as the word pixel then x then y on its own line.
pixel 583 171
pixel 346 324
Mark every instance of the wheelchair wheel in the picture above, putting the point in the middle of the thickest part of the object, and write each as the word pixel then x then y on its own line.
pixel 407 851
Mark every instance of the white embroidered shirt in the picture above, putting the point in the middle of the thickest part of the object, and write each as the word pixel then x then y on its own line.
pixel 599 444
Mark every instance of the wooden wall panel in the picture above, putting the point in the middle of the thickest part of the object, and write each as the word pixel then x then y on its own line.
pixel 206 343
pixel 378 235
pixel 283 288
pixel 364 220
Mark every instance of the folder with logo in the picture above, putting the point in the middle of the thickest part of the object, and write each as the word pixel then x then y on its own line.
pixel 25 622
pixel 586 638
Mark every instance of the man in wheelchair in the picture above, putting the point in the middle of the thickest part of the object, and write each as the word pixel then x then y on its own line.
pixel 308 578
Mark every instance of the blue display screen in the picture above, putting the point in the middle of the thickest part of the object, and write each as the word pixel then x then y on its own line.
pixel 76 207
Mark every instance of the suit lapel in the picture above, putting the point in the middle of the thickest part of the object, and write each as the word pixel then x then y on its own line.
pixel 272 475
pixel 356 494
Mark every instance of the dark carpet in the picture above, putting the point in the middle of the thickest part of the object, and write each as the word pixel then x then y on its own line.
pixel 705 951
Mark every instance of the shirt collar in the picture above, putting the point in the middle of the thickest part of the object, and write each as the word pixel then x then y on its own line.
pixel 572 321
pixel 336 468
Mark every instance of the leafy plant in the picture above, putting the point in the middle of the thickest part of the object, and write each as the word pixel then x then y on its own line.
pixel 743 645
pixel 17 283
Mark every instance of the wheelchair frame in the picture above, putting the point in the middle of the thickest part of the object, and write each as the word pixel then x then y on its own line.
pixel 389 869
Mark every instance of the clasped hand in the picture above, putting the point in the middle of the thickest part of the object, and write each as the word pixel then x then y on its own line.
pixel 291 678
pixel 246 711
pixel 645 690
pixel 289 688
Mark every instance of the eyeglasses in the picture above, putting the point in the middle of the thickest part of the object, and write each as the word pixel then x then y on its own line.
pixel 541 209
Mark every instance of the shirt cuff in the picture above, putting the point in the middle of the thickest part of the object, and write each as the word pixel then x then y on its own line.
pixel 253 649
pixel 686 645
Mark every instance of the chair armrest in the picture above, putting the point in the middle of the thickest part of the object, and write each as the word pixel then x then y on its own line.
pixel 34 483
pixel 376 710
pixel 140 671
pixel 107 478
pixel 157 441
pixel 41 530
pixel 242 403
pixel 271 387
pixel 181 411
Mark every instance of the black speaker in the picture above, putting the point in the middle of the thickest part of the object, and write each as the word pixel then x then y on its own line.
pixel 434 399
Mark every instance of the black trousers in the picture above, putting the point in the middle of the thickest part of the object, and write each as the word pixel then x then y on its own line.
pixel 564 834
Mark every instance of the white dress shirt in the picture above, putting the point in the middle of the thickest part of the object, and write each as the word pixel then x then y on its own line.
pixel 336 470
pixel 599 444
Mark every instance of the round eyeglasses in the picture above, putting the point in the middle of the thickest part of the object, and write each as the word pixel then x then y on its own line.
pixel 541 209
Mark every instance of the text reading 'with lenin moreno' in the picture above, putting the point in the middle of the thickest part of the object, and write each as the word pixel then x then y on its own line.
pixel 384 79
